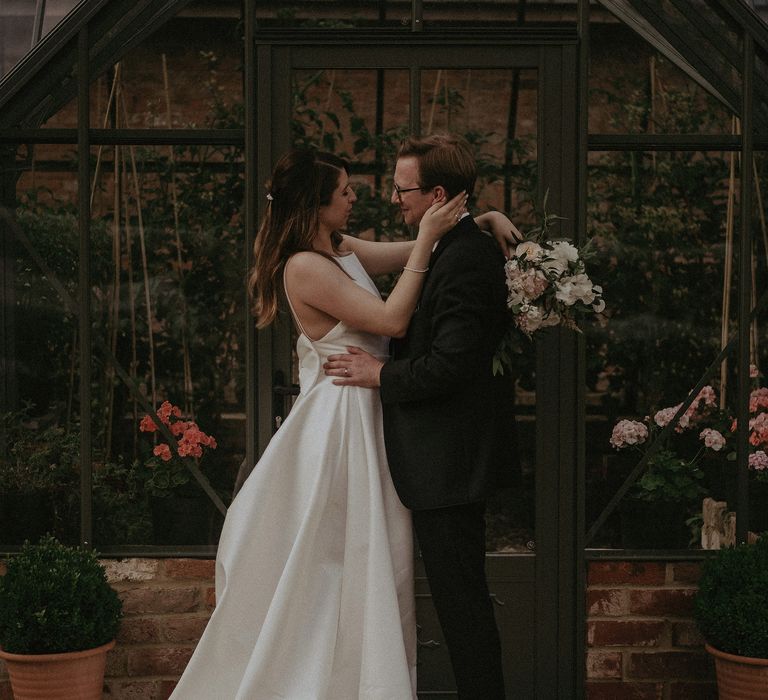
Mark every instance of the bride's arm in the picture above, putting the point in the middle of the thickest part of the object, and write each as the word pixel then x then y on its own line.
pixel 502 229
pixel 379 257
pixel 384 257
pixel 314 282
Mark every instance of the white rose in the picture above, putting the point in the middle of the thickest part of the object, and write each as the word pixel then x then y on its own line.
pixel 575 288
pixel 559 257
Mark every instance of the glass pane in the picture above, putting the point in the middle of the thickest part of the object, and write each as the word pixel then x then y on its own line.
pixel 188 75
pixel 661 224
pixel 17 24
pixel 39 460
pixel 363 13
pixel 758 408
pixel 508 13
pixel 363 114
pixel 636 90
pixel 169 304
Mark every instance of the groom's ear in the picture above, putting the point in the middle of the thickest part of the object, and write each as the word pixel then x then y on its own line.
pixel 441 193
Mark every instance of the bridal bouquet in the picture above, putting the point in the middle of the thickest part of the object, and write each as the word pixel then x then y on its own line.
pixel 547 285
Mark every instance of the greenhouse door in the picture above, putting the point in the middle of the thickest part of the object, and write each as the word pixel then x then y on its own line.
pixel 516 103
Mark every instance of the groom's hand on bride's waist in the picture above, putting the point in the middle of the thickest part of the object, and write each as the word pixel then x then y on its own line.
pixel 355 368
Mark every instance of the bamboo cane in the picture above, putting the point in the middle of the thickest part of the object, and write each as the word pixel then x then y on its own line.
pixel 447 94
pixel 132 370
pixel 114 302
pixel 764 230
pixel 728 269
pixel 144 268
pixel 328 97
pixel 186 360
pixel 434 101
pixel 113 90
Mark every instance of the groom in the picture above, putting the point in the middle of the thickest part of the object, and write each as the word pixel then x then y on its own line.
pixel 448 421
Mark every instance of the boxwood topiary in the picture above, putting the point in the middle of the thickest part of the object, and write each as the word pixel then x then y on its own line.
pixel 55 598
pixel 731 606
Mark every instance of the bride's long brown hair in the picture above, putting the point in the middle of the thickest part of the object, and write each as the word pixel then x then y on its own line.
pixel 302 182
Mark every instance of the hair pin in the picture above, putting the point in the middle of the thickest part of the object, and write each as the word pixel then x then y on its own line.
pixel 270 197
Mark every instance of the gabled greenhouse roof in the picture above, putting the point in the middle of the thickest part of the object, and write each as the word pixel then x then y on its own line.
pixel 44 80
pixel 703 38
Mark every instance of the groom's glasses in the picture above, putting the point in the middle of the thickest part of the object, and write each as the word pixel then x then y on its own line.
pixel 399 190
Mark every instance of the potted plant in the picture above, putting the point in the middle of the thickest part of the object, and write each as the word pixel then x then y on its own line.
pixel 720 441
pixel 731 612
pixel 181 512
pixel 58 618
pixel 658 506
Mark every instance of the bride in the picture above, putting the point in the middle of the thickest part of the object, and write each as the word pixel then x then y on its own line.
pixel 314 579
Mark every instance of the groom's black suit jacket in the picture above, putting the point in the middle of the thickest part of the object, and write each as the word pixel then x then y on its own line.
pixel 448 421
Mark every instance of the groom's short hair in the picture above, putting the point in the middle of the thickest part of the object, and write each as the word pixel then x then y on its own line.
pixel 444 159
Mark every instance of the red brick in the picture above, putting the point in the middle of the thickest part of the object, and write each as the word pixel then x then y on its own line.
pixel 609 602
pixel 613 573
pixel 662 601
pixel 190 568
pixel 692 691
pixel 630 633
pixel 184 628
pixel 210 598
pixel 116 662
pixel 686 572
pixel 670 665
pixel 604 664
pixel 686 634
pixel 133 690
pixel 166 688
pixel 135 630
pixel 158 661
pixel 159 600
pixel 613 690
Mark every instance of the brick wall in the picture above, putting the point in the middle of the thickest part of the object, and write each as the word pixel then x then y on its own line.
pixel 641 641
pixel 166 605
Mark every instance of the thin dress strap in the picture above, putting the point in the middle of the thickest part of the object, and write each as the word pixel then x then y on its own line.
pixel 290 305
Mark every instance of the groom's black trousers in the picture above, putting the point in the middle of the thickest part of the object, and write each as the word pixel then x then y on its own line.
pixel 452 544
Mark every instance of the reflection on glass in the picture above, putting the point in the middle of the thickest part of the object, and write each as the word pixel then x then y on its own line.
pixel 309 15
pixel 635 90
pixel 168 303
pixel 162 84
pixel 661 223
pixel 363 115
pixel 39 461
pixel 493 14
pixel 22 25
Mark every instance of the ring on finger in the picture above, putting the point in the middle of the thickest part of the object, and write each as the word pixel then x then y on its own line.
pixel 346 372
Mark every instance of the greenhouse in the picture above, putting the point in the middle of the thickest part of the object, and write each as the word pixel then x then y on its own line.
pixel 136 143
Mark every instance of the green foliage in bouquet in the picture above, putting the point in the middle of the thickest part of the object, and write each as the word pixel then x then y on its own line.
pixel 731 607
pixel 54 599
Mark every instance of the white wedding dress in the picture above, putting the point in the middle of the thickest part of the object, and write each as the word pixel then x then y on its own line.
pixel 314 572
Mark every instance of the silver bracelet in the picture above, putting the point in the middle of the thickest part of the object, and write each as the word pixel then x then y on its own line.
pixel 413 269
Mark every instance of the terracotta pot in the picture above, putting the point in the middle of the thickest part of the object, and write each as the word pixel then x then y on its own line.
pixel 75 675
pixel 739 677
